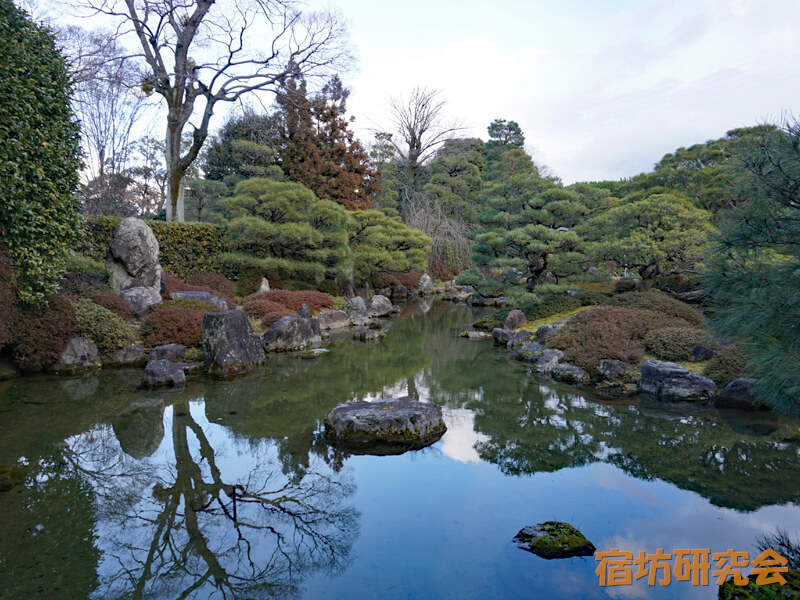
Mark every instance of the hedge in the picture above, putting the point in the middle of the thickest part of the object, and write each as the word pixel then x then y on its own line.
pixel 185 248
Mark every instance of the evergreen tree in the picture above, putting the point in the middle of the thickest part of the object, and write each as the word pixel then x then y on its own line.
pixel 384 192
pixel 754 268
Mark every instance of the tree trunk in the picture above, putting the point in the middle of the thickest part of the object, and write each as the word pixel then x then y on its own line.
pixel 175 175
pixel 648 274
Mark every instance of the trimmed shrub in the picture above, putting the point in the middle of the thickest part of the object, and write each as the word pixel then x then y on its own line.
pixel 259 307
pixel 725 366
pixel 102 326
pixel 658 302
pixel 315 301
pixel 173 325
pixel 81 264
pixel 471 277
pixel 549 306
pixel 622 286
pixel 109 300
pixel 592 298
pixel 214 281
pixel 176 285
pixel 608 332
pixel 495 319
pixel 410 279
pixel 676 343
pixel 275 316
pixel 184 248
pixel 249 281
pixel 41 335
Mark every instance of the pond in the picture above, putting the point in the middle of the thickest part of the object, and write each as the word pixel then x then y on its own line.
pixel 229 489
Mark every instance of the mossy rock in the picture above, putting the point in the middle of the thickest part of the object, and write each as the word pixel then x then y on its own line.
pixel 791 589
pixel 554 539
pixel 487 323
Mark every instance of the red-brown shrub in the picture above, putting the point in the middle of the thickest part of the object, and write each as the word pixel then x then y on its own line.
pixel 272 317
pixel 108 299
pixel 8 307
pixel 608 332
pixel 410 279
pixel 173 325
pixel 79 284
pixel 439 270
pixel 176 285
pixel 214 281
pixel 41 335
pixel 315 301
pixel 658 302
pixel 259 307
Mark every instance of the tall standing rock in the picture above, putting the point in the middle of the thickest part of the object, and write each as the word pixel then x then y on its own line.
pixel 132 265
pixel 229 344
pixel 425 285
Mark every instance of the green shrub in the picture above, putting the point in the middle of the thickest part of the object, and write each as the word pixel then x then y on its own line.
pixel 39 155
pixel 592 298
pixel 7 299
pixel 471 277
pixel 676 343
pixel 725 366
pixel 621 286
pixel 487 323
pixel 40 335
pixel 81 264
pixel 173 325
pixel 608 332
pixel 658 302
pixel 102 326
pixel 249 281
pixel 549 306
pixel 214 281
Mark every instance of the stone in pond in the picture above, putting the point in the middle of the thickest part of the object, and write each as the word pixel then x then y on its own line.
pixel 475 335
pixel 367 335
pixel 313 353
pixel 387 427
pixel 554 539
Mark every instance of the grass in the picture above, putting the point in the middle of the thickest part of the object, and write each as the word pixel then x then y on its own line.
pixel 534 325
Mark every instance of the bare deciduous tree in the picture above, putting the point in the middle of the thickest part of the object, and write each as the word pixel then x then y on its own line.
pixel 237 47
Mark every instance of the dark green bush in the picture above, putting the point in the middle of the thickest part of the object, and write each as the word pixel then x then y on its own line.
pixel 249 281
pixel 658 302
pixel 102 326
pixel 173 325
pixel 487 323
pixel 676 343
pixel 549 306
pixel 622 286
pixel 592 298
pixel 7 299
pixel 727 365
pixel 40 335
pixel 471 277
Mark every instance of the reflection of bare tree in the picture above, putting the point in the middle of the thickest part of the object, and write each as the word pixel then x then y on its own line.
pixel 219 528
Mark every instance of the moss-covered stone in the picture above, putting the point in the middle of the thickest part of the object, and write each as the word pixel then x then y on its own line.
pixel 554 539
pixel 774 591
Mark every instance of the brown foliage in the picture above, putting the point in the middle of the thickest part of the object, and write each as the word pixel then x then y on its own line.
pixel 215 281
pixel 315 301
pixel 259 307
pixel 176 285
pixel 608 332
pixel 410 279
pixel 108 299
pixel 173 325
pixel 41 335
pixel 658 302
pixel 270 318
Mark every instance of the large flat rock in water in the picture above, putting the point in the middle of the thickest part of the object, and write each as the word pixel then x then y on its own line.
pixel 388 427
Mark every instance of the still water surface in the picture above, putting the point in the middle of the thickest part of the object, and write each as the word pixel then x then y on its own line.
pixel 228 489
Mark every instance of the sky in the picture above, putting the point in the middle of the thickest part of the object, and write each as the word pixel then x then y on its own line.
pixel 602 89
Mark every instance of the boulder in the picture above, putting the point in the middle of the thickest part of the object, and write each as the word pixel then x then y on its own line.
pixel 548 360
pixel 79 355
pixel 478 300
pixel 545 331
pixel 701 353
pixel 617 377
pixel 264 287
pixel 129 356
pixel 399 291
pixel 502 336
pixel 569 374
pixel 161 373
pixel 139 428
pixel 366 334
pixel 379 306
pixel 357 308
pixel 739 393
pixel 404 421
pixel 425 285
pixel 515 320
pixel 305 312
pixel 553 539
pixel 229 345
pixel 519 339
pixel 672 382
pixel 313 353
pixel 172 352
pixel 132 256
pixel 291 333
pixel 207 298
pixel 333 319
pixel 530 352
pixel 140 299
pixel 475 335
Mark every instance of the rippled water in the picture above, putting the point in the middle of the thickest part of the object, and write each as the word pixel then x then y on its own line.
pixel 228 490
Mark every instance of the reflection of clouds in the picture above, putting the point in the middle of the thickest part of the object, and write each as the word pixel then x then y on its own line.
pixel 460 438
pixel 632 544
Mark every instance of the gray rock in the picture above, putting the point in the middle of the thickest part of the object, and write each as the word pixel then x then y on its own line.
pixel 79 355
pixel 313 353
pixel 397 420
pixel 500 301
pixel 139 428
pixel 478 300
pixel 229 345
pixel 171 352
pixel 553 539
pixel 530 352
pixel 545 331
pixel 333 319
pixel 701 353
pixel 207 298
pixel 475 335
pixel 617 377
pixel 569 374
pixel 163 373
pixel 548 360
pixel 264 287
pixel 425 285
pixel 672 382
pixel 467 289
pixel 365 334
pixel 739 393
pixel 379 306
pixel 140 299
pixel 519 339
pixel 357 308
pixel 502 336
pixel 132 257
pixel 305 312
pixel 515 320
pixel 399 291
pixel 291 333
pixel 129 356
